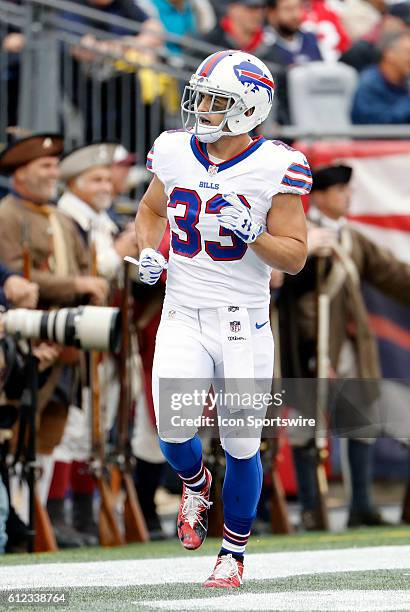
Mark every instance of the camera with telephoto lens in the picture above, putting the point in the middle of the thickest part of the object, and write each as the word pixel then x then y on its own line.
pixel 91 328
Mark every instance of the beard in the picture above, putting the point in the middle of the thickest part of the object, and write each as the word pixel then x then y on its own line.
pixel 287 31
pixel 101 202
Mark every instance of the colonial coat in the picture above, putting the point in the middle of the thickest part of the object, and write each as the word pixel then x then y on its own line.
pixel 57 255
pixel 359 259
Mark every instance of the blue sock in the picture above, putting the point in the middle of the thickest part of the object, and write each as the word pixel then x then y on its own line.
pixel 186 460
pixel 240 494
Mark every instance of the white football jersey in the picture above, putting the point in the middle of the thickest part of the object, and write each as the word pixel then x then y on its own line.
pixel 209 266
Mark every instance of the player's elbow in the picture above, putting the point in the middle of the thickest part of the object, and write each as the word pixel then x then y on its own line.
pixel 297 262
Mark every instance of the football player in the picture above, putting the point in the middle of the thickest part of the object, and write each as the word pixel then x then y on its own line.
pixel 234 209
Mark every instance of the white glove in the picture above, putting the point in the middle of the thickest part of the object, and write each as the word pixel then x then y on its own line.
pixel 237 217
pixel 151 265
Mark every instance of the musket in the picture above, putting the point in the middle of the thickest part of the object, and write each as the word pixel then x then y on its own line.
pixel 41 533
pixel 109 531
pixel 322 393
pixel 134 523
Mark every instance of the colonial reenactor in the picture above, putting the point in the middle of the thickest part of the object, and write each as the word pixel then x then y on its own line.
pixel 35 236
pixel 88 194
pixel 349 257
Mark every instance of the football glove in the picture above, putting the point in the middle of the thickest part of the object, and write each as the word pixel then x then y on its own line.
pixel 151 265
pixel 237 217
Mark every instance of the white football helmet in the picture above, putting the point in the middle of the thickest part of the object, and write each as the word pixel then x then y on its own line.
pixel 240 78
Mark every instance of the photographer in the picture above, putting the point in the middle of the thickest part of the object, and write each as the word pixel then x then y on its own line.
pixel 34 232
pixel 13 531
pixel 17 291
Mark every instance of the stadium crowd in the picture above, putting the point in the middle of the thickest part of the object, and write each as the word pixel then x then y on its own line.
pixel 60 208
pixel 372 36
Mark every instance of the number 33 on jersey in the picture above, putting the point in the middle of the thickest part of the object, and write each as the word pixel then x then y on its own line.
pixel 208 263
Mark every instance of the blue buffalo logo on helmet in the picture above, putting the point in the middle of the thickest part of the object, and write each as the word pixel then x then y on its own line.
pixel 249 74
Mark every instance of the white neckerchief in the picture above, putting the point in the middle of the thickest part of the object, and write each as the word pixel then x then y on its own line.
pixel 84 215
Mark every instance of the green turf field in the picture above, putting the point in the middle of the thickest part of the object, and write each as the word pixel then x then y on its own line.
pixel 381 536
pixel 367 569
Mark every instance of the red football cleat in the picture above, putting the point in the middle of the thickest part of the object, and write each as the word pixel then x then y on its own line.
pixel 192 522
pixel 227 574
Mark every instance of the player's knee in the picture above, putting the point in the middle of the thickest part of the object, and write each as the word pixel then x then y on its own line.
pixel 175 440
pixel 241 448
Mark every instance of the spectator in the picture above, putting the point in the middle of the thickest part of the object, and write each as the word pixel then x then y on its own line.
pixel 292 44
pixel 119 8
pixel 326 24
pixel 359 17
pixel 364 52
pixel 184 18
pixel 382 96
pixel 242 27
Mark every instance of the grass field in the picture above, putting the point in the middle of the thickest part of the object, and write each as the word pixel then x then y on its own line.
pixel 367 569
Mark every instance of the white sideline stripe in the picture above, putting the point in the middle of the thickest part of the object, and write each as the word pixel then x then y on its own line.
pixel 192 569
pixel 303 601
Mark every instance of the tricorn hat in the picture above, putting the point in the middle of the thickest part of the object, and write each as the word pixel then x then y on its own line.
pixel 327 176
pixel 23 151
pixel 84 158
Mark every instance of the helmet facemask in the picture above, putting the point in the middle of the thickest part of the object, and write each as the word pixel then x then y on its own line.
pixel 197 122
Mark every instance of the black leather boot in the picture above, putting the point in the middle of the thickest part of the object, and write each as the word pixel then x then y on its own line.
pixel 66 536
pixel 147 478
pixel 83 518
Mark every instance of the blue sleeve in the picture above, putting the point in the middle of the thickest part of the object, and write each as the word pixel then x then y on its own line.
pixel 374 103
pixel 4 274
pixel 3 299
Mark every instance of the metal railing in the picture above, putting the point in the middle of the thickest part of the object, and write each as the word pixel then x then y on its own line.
pixel 128 94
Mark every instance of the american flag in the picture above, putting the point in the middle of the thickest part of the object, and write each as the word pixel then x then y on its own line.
pixel 380 208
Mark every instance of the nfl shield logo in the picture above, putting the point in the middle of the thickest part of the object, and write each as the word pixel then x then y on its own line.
pixel 212 170
pixel 235 326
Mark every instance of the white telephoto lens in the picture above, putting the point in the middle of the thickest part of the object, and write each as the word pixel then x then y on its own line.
pixel 60 325
pixel 23 322
pixel 97 327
